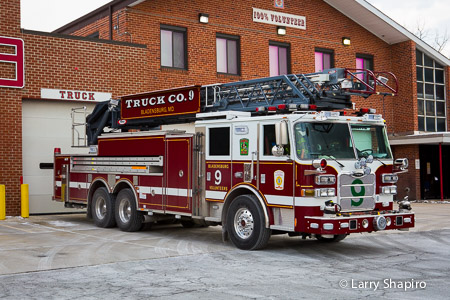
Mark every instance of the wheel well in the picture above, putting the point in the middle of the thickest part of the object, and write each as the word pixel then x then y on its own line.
pixel 97 184
pixel 244 190
pixel 125 185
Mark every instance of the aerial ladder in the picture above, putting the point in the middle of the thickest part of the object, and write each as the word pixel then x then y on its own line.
pixel 327 90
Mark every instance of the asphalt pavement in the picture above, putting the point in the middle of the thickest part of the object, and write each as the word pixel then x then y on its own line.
pixel 67 257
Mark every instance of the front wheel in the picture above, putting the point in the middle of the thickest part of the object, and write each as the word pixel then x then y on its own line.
pixel 128 218
pixel 246 223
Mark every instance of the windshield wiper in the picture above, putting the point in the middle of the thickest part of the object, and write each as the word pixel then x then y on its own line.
pixel 332 158
pixel 384 165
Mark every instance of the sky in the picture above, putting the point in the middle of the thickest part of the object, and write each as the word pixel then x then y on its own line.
pixel 48 15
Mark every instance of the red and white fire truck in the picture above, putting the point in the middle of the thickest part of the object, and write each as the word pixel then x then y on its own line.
pixel 259 157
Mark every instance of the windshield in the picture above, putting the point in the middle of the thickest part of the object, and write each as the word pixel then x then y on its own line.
pixel 323 140
pixel 371 140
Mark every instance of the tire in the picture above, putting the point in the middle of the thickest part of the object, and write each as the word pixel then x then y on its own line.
pixel 335 239
pixel 246 224
pixel 128 218
pixel 102 208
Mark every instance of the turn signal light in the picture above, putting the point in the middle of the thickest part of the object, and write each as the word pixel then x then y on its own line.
pixel 307 193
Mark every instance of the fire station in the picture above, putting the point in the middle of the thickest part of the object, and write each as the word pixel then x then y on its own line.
pixel 50 81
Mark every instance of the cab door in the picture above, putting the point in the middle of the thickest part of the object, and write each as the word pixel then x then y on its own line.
pixel 276 173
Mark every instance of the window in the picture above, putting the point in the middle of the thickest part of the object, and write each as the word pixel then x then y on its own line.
pixel 364 61
pixel 431 97
pixel 279 58
pixel 324 59
pixel 173 47
pixel 219 141
pixel 269 141
pixel 228 54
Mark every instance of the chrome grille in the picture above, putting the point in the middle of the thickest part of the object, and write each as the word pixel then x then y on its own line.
pixel 356 193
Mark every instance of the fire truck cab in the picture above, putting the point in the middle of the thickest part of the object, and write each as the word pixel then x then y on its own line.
pixel 257 171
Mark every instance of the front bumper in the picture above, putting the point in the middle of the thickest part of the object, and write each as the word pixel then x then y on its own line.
pixel 359 223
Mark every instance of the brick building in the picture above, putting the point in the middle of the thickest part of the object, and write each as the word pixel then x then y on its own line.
pixel 131 46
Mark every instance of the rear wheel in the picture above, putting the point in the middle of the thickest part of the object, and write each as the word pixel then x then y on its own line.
pixel 128 218
pixel 102 208
pixel 334 239
pixel 246 223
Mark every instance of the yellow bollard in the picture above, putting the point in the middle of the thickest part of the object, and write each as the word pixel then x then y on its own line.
pixel 24 202
pixel 2 202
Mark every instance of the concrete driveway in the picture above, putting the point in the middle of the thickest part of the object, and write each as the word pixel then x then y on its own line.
pixel 66 257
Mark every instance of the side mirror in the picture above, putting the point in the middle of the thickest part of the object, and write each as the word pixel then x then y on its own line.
pixel 281 133
pixel 401 165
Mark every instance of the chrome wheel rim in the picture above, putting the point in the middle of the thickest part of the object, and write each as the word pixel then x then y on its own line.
pixel 125 210
pixel 100 208
pixel 243 223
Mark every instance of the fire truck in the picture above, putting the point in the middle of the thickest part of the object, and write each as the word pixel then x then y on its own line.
pixel 284 154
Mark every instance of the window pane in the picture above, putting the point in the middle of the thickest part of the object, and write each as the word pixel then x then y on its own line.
pixel 440 109
pixel 326 61
pixel 368 64
pixel 421 124
pixel 418 58
pixel 428 61
pixel 273 60
pixel 318 56
pixel 429 91
pixel 430 108
pixel 166 48
pixel 359 63
pixel 438 65
pixel 178 50
pixel 221 48
pixel 419 71
pixel 440 92
pixel 430 124
pixel 439 76
pixel 419 90
pixel 219 141
pixel 282 58
pixel 420 109
pixel 232 57
pixel 428 75
pixel 440 124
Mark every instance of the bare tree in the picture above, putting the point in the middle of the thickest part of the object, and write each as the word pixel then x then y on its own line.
pixel 421 31
pixel 440 41
pixel 436 40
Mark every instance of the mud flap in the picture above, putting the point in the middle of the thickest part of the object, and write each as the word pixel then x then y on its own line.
pixel 224 234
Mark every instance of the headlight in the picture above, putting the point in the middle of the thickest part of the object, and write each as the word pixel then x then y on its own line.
pixel 389 178
pixel 325 179
pixel 324 192
pixel 389 190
